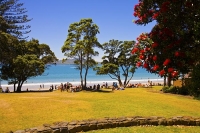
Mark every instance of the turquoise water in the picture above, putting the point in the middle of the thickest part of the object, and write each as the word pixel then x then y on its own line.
pixel 67 73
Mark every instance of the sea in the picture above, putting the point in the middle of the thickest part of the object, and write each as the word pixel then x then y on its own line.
pixel 63 73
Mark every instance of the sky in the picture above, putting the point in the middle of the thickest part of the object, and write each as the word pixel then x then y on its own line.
pixel 51 20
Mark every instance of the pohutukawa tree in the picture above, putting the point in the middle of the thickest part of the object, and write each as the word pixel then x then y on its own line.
pixel 173 43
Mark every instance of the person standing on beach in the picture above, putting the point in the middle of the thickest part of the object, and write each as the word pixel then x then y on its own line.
pixel 98 87
pixel 43 85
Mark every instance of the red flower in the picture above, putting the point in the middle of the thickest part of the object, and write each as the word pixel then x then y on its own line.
pixel 147 49
pixel 138 64
pixel 170 70
pixel 155 15
pixel 155 44
pixel 165 6
pixel 135 14
pixel 134 50
pixel 162 72
pixel 174 74
pixel 142 51
pixel 142 57
pixel 146 65
pixel 177 54
pixel 155 57
pixel 166 62
pixel 155 67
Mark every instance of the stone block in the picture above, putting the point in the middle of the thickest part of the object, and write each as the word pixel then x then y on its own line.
pixel 93 126
pixel 78 128
pixel 20 131
pixel 185 122
pixel 56 131
pixel 114 124
pixel 177 121
pixel 134 122
pixel 192 122
pixel 106 125
pixel 120 124
pixel 46 125
pixel 170 122
pixel 197 122
pixel 72 123
pixel 64 129
pixel 44 129
pixel 142 121
pixel 82 123
pixel 162 122
pixel 71 129
pixel 127 123
pixel 153 122
pixel 85 128
pixel 99 126
pixel 55 127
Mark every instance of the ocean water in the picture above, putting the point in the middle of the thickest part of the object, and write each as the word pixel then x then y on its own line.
pixel 63 73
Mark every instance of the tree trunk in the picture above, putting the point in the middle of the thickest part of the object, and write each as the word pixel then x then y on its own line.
pixel 86 72
pixel 81 79
pixel 169 79
pixel 19 87
pixel 14 87
pixel 119 80
pixel 164 81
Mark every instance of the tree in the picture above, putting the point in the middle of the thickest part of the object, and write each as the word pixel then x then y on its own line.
pixel 13 18
pixel 12 26
pixel 26 59
pixel 80 44
pixel 194 82
pixel 118 61
pixel 175 38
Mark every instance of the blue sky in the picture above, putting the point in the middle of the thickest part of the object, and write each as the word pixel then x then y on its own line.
pixel 51 20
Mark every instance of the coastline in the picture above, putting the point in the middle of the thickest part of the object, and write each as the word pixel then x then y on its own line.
pixel 36 86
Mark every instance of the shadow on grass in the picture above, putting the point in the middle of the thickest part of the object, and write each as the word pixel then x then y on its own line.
pixel 101 90
pixel 32 91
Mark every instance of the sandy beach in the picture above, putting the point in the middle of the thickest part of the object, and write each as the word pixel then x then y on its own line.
pixel 36 86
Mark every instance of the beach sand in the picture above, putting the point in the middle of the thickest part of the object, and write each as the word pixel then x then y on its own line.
pixel 36 86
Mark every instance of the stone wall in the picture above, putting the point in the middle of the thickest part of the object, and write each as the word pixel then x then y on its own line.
pixel 105 123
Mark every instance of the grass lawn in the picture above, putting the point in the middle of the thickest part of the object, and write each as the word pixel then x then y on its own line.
pixel 26 110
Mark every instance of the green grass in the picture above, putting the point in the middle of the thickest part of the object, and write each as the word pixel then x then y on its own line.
pixel 26 110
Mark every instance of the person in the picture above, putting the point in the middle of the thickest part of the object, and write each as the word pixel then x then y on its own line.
pixel 61 87
pixel 7 90
pixel 121 87
pixel 106 85
pixel 94 87
pixel 98 87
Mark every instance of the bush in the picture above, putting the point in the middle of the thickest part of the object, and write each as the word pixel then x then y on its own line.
pixel 165 89
pixel 176 90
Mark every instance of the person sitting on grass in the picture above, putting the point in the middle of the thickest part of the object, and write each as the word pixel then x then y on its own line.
pixel 7 90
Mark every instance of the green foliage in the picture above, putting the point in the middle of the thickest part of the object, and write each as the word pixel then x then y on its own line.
pixel 25 59
pixel 176 90
pixel 13 18
pixel 118 61
pixel 80 44
pixel 195 84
